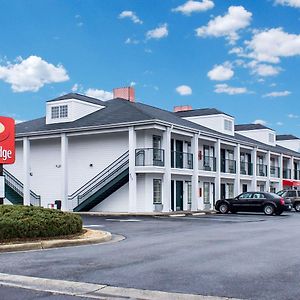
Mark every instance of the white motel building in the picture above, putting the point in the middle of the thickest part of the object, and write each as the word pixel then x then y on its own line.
pixel 126 156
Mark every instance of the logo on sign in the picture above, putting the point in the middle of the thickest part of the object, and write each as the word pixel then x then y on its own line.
pixel 7 140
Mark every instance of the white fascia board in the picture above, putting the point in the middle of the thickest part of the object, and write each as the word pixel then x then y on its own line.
pixel 66 101
pixel 208 116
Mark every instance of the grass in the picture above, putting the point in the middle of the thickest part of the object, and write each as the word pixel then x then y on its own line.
pixel 29 222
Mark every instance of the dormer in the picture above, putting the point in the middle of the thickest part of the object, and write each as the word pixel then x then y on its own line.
pixel 257 132
pixel 288 141
pixel 208 117
pixel 71 107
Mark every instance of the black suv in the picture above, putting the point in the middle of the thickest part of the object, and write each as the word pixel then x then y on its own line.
pixel 268 203
pixel 292 195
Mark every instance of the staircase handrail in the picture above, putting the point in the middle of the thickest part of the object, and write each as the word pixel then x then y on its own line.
pixel 101 177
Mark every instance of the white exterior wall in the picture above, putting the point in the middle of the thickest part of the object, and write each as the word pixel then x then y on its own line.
pixel 261 135
pixel 290 144
pixel 215 122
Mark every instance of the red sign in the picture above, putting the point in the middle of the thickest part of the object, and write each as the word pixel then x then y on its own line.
pixel 7 140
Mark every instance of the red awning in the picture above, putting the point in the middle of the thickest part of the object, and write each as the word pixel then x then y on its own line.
pixel 290 183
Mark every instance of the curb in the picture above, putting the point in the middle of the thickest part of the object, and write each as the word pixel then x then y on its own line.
pixel 90 237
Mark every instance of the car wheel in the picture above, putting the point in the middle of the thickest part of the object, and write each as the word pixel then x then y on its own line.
pixel 224 208
pixel 297 206
pixel 269 209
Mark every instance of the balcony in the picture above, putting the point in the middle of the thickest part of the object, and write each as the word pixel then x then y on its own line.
pixel 181 160
pixel 286 173
pixel 208 164
pixel 228 166
pixel 261 170
pixel 297 174
pixel 150 157
pixel 246 168
pixel 275 172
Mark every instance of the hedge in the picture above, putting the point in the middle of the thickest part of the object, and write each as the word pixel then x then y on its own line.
pixel 21 222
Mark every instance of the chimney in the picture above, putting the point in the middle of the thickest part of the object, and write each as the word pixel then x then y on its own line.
pixel 124 93
pixel 182 108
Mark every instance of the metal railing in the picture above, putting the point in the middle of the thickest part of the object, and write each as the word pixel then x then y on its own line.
pixel 97 182
pixel 17 186
pixel 181 160
pixel 246 168
pixel 297 174
pixel 286 173
pixel 261 170
pixel 150 157
pixel 208 163
pixel 275 172
pixel 228 166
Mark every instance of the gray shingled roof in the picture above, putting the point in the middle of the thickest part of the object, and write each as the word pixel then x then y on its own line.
pixel 244 127
pixel 200 112
pixel 286 137
pixel 78 97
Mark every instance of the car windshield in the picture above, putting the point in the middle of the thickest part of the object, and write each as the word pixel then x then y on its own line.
pixel 275 196
pixel 280 193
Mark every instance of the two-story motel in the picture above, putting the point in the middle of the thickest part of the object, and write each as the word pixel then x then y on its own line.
pixel 125 156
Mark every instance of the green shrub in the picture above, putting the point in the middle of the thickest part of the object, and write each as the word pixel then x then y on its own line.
pixel 18 222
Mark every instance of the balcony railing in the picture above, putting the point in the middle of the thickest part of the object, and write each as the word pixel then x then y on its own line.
pixel 286 173
pixel 228 166
pixel 246 168
pixel 275 172
pixel 261 170
pixel 208 163
pixel 150 157
pixel 181 160
pixel 297 174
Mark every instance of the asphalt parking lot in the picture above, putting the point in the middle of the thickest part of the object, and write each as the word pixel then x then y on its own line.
pixel 246 256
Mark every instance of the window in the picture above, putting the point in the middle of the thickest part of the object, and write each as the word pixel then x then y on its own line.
pixel 157 152
pixel 59 112
pixel 230 188
pixel 55 112
pixel 291 194
pixel 156 191
pixel 271 138
pixel 63 111
pixel 206 198
pixel 189 192
pixel 245 196
pixel 228 125
pixel 258 196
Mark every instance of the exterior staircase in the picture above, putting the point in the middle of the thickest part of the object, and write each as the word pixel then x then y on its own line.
pixel 102 185
pixel 14 191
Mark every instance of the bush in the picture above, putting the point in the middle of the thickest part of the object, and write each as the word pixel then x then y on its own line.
pixel 19 222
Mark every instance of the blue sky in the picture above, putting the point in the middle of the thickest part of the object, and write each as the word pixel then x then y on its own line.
pixel 242 57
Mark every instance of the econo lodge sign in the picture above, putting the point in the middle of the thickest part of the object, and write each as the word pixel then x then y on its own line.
pixel 7 140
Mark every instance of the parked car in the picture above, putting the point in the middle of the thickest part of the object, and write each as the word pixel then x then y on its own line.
pixel 292 195
pixel 269 203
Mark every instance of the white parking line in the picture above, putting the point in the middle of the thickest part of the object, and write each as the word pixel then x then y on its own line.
pixel 93 226
pixel 123 220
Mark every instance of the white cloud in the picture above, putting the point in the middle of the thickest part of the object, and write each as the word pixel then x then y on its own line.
pixel 131 41
pixel 31 74
pixel 228 25
pixel 292 116
pixel 192 6
pixel 132 83
pixel 226 89
pixel 272 44
pixel 277 94
pixel 279 123
pixel 131 15
pixel 99 94
pixel 262 122
pixel 221 72
pixel 184 90
pixel 158 33
pixel 75 87
pixel 291 3
pixel 263 70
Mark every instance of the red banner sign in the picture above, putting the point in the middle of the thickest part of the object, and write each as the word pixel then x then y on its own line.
pixel 7 140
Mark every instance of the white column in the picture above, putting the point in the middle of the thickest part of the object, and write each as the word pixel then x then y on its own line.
pixel 218 170
pixel 281 171
pixel 166 201
pixel 268 171
pixel 64 172
pixel 237 181
pixel 292 168
pixel 132 174
pixel 254 180
pixel 26 171
pixel 195 185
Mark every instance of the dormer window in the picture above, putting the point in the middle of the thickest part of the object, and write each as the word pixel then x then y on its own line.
pixel 59 111
pixel 271 138
pixel 228 125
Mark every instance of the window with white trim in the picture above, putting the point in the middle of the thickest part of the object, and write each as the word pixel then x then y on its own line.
pixel 189 192
pixel 227 125
pixel 59 111
pixel 230 189
pixel 156 191
pixel 271 138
